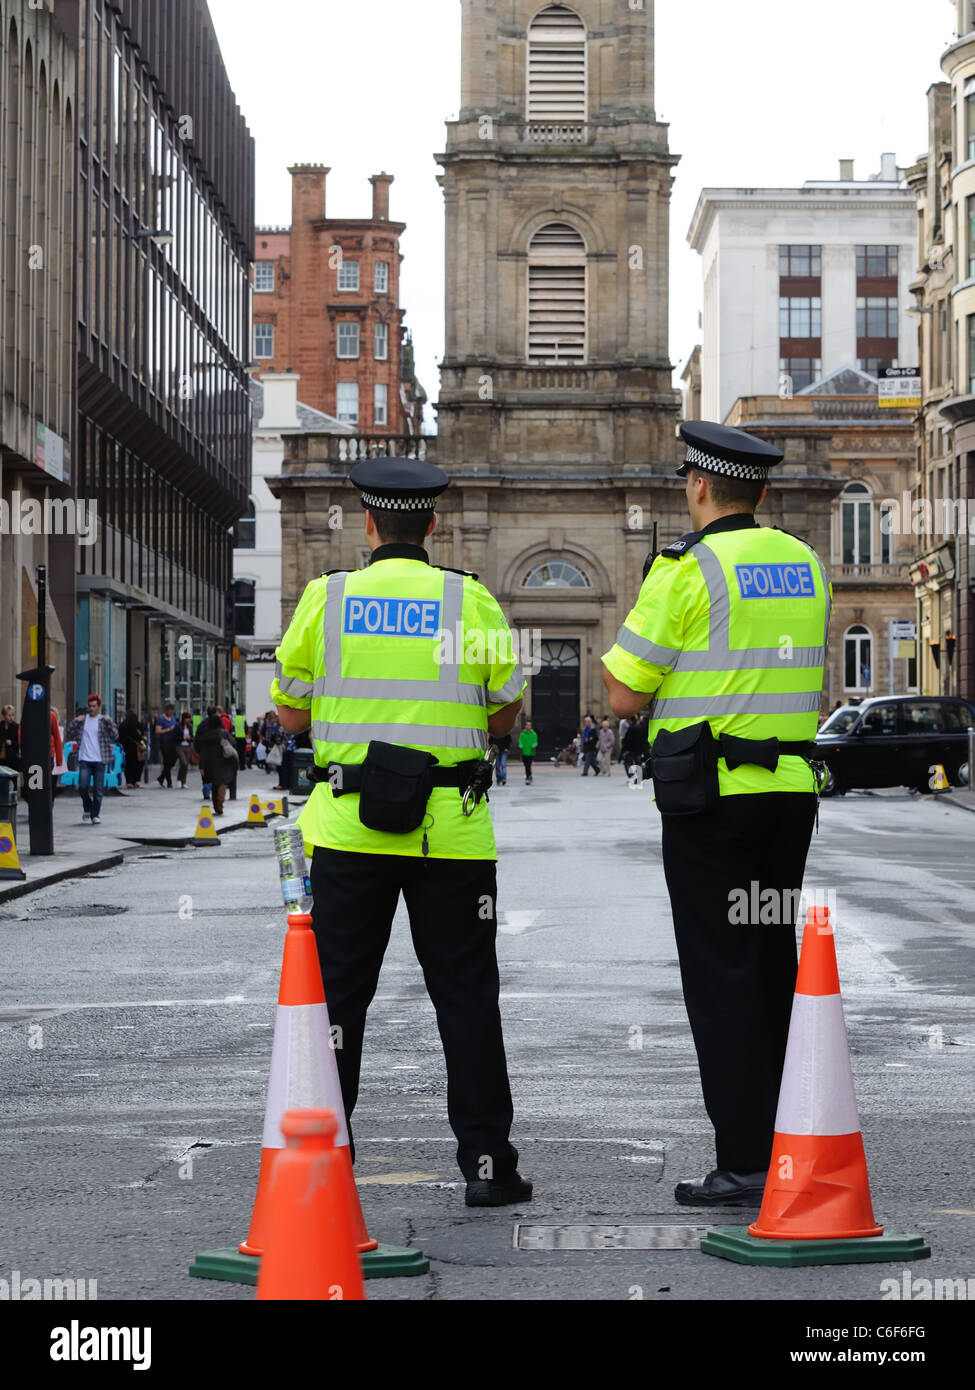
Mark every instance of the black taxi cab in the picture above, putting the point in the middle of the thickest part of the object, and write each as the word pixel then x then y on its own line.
pixel 895 741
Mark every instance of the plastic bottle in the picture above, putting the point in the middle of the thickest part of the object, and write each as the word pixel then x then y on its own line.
pixel 289 846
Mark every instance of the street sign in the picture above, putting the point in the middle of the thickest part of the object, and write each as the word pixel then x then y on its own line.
pixel 902 630
pixel 899 387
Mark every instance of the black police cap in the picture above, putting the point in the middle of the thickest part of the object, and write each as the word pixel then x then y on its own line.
pixel 398 484
pixel 720 449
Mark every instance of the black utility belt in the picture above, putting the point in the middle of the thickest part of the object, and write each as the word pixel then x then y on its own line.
pixel 684 764
pixel 394 784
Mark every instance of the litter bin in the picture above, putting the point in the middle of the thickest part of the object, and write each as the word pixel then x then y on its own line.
pixel 9 790
pixel 302 762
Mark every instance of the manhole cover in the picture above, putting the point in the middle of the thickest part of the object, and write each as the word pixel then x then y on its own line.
pixel 93 910
pixel 593 1237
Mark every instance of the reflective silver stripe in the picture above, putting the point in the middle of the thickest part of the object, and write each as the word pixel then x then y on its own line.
pixel 409 735
pixel 292 685
pixel 753 659
pixel 628 641
pixel 509 692
pixel 334 604
pixel 381 688
pixel 719 616
pixel 452 621
pixel 692 707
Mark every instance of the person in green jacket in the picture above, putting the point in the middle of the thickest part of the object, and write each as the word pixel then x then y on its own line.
pixel 527 743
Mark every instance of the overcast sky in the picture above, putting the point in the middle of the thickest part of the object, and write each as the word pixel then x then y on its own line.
pixel 759 93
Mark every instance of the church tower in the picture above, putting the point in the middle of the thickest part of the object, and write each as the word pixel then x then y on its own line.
pixel 557 413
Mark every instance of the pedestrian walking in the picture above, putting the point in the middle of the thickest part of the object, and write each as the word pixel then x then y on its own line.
pixel 184 748
pixel 9 738
pixel 287 762
pixel 388 816
pixel 58 765
pixel 607 743
pixel 131 736
pixel 217 753
pixel 95 735
pixel 166 730
pixel 633 748
pixel 527 743
pixel 502 742
pixel 590 745
pixel 731 726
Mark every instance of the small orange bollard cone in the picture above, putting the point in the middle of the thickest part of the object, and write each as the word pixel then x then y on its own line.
pixel 816 1208
pixel 255 816
pixel 311 1246
pixel 303 1067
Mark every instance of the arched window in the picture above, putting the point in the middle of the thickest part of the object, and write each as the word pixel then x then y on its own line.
pixel 556 67
pixel 556 574
pixel 556 296
pixel 858 659
pixel 856 525
pixel 246 537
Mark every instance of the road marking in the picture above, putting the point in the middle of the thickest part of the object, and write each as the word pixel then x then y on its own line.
pixel 396 1179
pixel 954 1211
pixel 518 923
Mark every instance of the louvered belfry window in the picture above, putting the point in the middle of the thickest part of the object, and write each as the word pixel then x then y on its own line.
pixel 556 296
pixel 556 67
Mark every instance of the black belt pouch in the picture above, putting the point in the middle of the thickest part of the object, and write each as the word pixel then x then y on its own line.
pixel 685 770
pixel 396 786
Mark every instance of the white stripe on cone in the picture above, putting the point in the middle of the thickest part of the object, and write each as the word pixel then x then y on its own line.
pixel 304 1073
pixel 817 1083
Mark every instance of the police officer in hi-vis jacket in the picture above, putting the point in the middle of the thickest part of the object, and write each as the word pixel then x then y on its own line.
pixel 402 671
pixel 729 638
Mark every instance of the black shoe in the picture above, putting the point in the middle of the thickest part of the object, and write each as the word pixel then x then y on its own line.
pixel 486 1192
pixel 722 1189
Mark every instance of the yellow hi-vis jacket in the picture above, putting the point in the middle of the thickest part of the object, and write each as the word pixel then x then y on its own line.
pixel 733 628
pixel 402 653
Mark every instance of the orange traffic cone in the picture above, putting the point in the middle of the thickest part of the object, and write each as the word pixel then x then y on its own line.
pixel 817 1184
pixel 311 1248
pixel 816 1208
pixel 303 1073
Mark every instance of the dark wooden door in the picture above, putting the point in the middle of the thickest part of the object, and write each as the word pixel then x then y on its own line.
pixel 555 695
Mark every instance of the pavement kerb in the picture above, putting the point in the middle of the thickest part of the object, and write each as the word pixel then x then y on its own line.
pixel 18 890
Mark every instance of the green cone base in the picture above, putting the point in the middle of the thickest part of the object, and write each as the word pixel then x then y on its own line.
pixel 385 1262
pixel 734 1243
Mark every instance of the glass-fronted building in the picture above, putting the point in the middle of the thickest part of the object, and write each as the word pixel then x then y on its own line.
pixel 165 230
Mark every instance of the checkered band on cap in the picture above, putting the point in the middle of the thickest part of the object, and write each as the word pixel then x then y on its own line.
pixel 399 504
pixel 696 458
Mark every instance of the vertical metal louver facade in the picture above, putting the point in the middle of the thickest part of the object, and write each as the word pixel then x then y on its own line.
pixel 557 67
pixel 556 296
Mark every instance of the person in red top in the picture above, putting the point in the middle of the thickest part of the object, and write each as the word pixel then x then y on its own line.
pixel 57 747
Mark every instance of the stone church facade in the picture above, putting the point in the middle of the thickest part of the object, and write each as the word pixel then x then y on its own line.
pixel 557 415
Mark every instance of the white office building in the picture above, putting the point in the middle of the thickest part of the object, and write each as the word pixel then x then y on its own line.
pixel 799 282
pixel 277 413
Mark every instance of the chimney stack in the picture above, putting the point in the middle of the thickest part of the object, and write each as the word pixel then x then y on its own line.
pixel 846 171
pixel 380 196
pixel 280 401
pixel 888 168
pixel 307 191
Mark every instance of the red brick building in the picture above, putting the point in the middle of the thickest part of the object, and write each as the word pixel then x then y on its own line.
pixel 326 305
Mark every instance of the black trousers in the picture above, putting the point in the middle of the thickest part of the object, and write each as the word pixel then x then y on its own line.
pixel 528 760
pixel 453 922
pixel 739 978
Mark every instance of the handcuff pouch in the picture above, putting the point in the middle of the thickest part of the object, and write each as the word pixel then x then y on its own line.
pixel 396 786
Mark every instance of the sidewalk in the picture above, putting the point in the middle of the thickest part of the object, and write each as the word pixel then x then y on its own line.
pixel 153 815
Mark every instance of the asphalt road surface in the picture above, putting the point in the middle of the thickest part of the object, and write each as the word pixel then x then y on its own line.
pixel 136 1012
